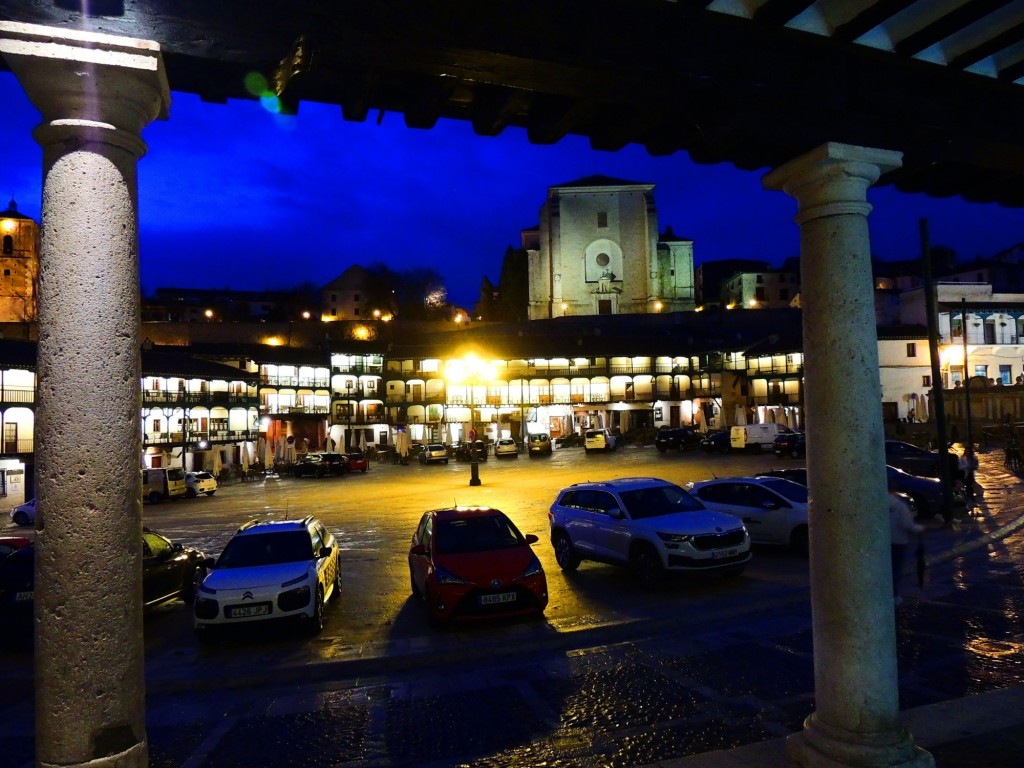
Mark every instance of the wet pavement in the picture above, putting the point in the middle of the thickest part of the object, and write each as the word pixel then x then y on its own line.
pixel 697 688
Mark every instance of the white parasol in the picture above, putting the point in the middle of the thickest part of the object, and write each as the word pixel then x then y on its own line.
pixel 245 457
pixel 740 415
pixel 922 408
pixel 362 440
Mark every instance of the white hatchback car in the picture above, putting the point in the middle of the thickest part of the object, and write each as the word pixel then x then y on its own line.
pixel 284 569
pixel 651 526
pixel 506 446
pixel 200 482
pixel 773 509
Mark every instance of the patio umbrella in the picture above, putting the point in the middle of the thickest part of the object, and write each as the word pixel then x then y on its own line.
pixel 740 417
pixel 698 420
pixel 362 440
pixel 922 408
pixel 245 457
pixel 327 444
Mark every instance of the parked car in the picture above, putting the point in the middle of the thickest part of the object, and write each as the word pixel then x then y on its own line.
pixel 469 451
pixel 200 482
pixel 649 525
pixel 773 509
pixel 434 453
pixel 470 563
pixel 356 461
pixel 24 514
pixel 793 444
pixel 9 544
pixel 796 474
pixel 333 463
pixel 677 439
pixel 598 440
pixel 716 442
pixel 539 444
pixel 285 569
pixel 919 461
pixel 169 571
pixel 506 446
pixel 162 483
pixel 759 436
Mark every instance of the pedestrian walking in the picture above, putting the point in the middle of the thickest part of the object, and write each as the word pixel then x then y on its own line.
pixel 968 466
pixel 902 529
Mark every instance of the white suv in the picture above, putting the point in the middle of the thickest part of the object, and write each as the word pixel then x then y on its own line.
pixel 652 526
pixel 598 440
pixel 270 570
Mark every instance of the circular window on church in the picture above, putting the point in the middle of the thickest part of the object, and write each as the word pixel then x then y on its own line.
pixel 602 259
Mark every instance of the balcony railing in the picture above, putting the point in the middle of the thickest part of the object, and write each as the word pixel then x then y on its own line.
pixel 194 438
pixel 20 445
pixel 295 381
pixel 17 395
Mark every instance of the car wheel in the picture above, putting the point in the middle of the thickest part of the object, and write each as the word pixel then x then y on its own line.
pixel 366 468
pixel 316 621
pixel 191 493
pixel 795 453
pixel 20 518
pixel 337 583
pixel 565 553
pixel 799 540
pixel 446 461
pixel 646 567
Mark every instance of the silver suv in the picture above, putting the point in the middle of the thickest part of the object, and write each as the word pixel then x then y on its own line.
pixel 649 525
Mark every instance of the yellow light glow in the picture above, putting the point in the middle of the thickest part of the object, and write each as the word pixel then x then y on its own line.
pixel 730 305
pixel 361 332
pixel 658 306
pixel 274 341
pixel 208 313
pixel 753 302
pixel 951 355
pixel 386 318
pixel 376 313
pixel 7 225
pixel 306 315
pixel 698 309
pixel 564 306
pixel 458 317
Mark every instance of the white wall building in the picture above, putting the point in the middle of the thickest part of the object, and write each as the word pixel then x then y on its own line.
pixel 600 253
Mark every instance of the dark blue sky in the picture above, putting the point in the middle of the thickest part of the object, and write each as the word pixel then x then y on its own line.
pixel 234 196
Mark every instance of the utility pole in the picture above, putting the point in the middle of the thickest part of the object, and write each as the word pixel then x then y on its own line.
pixel 938 403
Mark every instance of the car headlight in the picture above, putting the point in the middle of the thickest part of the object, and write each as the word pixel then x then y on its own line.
pixel 294 599
pixel 675 538
pixel 443 576
pixel 533 569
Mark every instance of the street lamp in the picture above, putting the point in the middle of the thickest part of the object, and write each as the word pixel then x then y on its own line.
pixel 470 372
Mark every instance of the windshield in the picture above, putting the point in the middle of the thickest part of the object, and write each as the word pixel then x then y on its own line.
pixel 175 473
pixel 788 489
pixel 475 534
pixel 266 549
pixel 203 476
pixel 660 500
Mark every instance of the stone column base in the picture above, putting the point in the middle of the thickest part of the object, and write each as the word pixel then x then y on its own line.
pixel 826 746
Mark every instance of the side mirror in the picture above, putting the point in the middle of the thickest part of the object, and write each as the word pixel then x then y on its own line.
pixel 419 550
pixel 210 563
pixel 616 514
pixel 177 547
pixel 531 538
pixel 326 551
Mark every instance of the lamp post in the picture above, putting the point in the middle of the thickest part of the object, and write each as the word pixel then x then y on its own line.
pixel 967 377
pixel 470 372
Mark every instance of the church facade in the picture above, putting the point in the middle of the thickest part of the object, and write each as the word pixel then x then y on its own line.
pixel 598 251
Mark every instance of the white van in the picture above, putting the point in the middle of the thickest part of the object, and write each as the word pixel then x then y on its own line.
pixel 756 436
pixel 162 483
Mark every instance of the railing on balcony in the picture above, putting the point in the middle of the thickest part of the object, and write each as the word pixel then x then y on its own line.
pixel 194 438
pixel 17 395
pixel 20 445
pixel 295 381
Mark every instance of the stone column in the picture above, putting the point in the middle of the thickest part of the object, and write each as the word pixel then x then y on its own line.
pixel 96 93
pixel 857 718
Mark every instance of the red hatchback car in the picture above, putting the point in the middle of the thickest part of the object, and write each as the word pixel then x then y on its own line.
pixel 356 462
pixel 470 563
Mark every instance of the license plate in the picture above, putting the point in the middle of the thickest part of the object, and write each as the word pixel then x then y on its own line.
pixel 503 597
pixel 724 553
pixel 248 611
pixel 23 597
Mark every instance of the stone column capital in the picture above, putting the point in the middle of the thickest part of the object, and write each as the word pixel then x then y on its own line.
pixel 80 80
pixel 832 179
